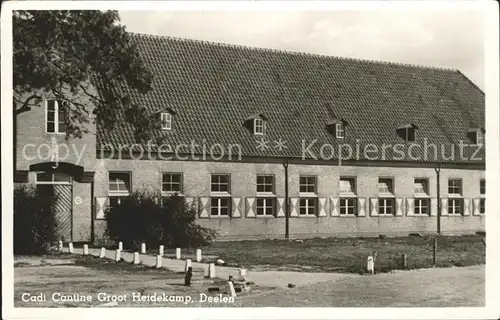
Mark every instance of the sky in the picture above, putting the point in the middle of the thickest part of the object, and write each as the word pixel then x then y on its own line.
pixel 439 38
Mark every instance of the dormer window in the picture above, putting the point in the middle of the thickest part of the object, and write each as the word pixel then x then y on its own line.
pixel 256 123
pixel 337 128
pixel 259 126
pixel 166 121
pixel 476 135
pixel 407 132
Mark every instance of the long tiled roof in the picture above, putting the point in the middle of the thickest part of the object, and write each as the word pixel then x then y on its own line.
pixel 214 87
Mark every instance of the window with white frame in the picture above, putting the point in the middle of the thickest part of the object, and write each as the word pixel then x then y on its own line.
pixel 421 206
pixel 266 207
pixel 220 206
pixel 421 202
pixel 479 137
pixel 307 184
pixel 259 126
pixel 348 206
pixel 455 206
pixel 171 183
pixel 265 184
pixel 386 206
pixel 455 187
pixel 118 187
pixel 166 121
pixel 409 134
pixel 339 130
pixel 307 206
pixel 482 205
pixel 348 201
pixel 482 187
pixel 385 186
pixel 55 119
pixel 220 183
pixel 52 178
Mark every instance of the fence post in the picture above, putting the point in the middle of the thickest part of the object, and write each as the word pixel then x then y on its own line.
pixel 404 261
pixel 434 251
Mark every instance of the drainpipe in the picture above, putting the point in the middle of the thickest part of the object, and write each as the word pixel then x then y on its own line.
pixel 287 213
pixel 438 173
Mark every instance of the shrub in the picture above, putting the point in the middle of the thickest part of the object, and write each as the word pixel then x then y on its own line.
pixel 138 218
pixel 34 221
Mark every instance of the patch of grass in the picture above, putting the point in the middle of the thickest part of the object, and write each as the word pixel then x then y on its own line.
pixel 350 254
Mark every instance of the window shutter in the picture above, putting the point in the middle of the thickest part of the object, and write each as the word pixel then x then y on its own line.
pixel 361 207
pixel 236 207
pixel 100 207
pixel 434 207
pixel 399 207
pixel 475 207
pixel 409 207
pixel 466 206
pixel 204 207
pixel 444 206
pixel 334 207
pixel 293 207
pixel 322 207
pixel 280 207
pixel 251 207
pixel 190 202
pixel 374 207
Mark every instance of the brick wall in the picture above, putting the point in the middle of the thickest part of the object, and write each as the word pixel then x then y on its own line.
pixel 146 174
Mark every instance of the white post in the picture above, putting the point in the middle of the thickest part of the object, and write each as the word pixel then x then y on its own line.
pixel 85 249
pixel 370 265
pixel 143 248
pixel 211 270
pixel 71 250
pixel 198 255
pixel 231 290
pixel 118 255
pixel 136 258
pixel 159 260
pixel 178 253
pixel 61 247
pixel 120 246
pixel 243 273
pixel 103 252
pixel 188 264
pixel 161 250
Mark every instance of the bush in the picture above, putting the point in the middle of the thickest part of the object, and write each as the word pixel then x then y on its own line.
pixel 34 221
pixel 138 218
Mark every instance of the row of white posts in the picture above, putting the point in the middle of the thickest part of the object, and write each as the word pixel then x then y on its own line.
pixel 159 257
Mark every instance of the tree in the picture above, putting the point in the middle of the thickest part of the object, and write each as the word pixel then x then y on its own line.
pixel 68 54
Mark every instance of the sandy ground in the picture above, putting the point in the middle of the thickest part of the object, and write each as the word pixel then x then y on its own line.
pixel 446 287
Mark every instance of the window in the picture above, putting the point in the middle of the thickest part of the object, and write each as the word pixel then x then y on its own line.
pixel 386 206
pixel 455 206
pixel 482 187
pixel 307 184
pixel 479 137
pixel 166 121
pixel 119 183
pixel 455 187
pixel 55 121
pixel 348 206
pixel 482 206
pixel 220 206
pixel 347 186
pixel 266 206
pixel 420 187
pixel 259 126
pixel 171 182
pixel 307 206
pixel 220 183
pixel 265 184
pixel 339 131
pixel 385 185
pixel 409 134
pixel 115 201
pixel 421 206
pixel 52 178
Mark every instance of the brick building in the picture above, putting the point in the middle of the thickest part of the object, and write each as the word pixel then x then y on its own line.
pixel 363 144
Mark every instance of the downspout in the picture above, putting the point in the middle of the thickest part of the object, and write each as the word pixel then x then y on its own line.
pixel 438 172
pixel 287 213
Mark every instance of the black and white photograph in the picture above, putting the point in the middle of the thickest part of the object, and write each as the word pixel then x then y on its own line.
pixel 247 155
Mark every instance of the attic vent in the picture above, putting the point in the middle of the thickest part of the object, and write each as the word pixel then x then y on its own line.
pixel 407 132
pixel 476 136
pixel 336 127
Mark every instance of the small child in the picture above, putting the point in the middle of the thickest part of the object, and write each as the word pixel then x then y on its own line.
pixel 188 276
